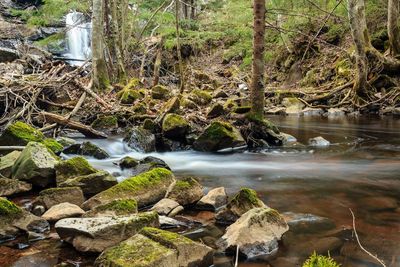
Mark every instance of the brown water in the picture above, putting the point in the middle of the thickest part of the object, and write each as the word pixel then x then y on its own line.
pixel 363 162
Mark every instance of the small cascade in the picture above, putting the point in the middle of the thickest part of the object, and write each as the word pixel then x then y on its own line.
pixel 78 38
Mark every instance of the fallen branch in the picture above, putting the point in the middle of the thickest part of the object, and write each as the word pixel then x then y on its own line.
pixel 91 93
pixel 6 148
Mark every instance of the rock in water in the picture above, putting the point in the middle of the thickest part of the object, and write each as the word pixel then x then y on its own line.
pixel 219 135
pixel 35 165
pixel 156 248
pixel 97 234
pixel 186 191
pixel 87 149
pixel 71 168
pixel 7 162
pixel 307 223
pixel 175 127
pixel 141 140
pixel 9 187
pixel 214 200
pixel 146 188
pixel 319 142
pixel 61 211
pixel 256 233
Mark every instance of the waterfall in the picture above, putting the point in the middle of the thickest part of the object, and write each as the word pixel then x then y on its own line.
pixel 78 38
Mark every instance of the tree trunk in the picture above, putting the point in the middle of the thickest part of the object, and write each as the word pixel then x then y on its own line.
pixel 100 75
pixel 178 49
pixel 118 35
pixel 393 27
pixel 257 85
pixel 356 12
pixel 157 64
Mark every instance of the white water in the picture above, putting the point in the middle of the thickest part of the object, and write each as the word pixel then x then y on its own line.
pixel 78 38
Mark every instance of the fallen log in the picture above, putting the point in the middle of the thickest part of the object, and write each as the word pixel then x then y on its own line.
pixel 84 129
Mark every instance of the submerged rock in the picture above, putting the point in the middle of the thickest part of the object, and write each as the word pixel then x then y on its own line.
pixel 141 140
pixel 307 223
pixel 186 191
pixel 20 134
pixel 54 196
pixel 379 203
pixel 146 188
pixel 156 248
pixel 92 184
pixel 73 167
pixel 97 234
pixel 62 211
pixel 219 135
pixel 319 142
pixel 6 163
pixel 214 200
pixel 256 232
pixel 175 127
pixel 245 200
pixel 119 207
pixel 35 165
pixel 9 187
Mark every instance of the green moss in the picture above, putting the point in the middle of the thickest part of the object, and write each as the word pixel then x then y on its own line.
pixel 262 121
pixel 53 145
pixel 129 96
pixel 128 162
pixel 182 184
pixel 8 210
pixel 105 122
pixel 20 133
pixel 139 108
pixel 320 261
pixel 173 121
pixel 166 238
pixel 230 104
pixel 119 207
pixel 132 84
pixel 200 97
pixel 343 68
pixel 77 166
pixel 246 195
pixel 160 92
pixel 218 130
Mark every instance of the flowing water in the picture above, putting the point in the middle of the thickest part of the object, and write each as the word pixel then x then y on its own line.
pixel 361 165
pixel 78 38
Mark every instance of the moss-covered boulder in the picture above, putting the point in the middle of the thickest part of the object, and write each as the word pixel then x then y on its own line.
pixel 141 140
pixel 119 207
pixel 20 134
pixel 128 163
pixel 146 188
pixel 160 92
pixel 155 248
pixel 35 165
pixel 7 162
pixel 92 184
pixel 54 196
pixel 149 125
pixel 219 135
pixel 73 167
pixel 105 123
pixel 187 103
pixel 200 97
pixel 129 96
pixel 186 191
pixel 245 200
pixel 53 145
pixel 98 233
pixel 175 127
pixel 8 210
pixel 9 187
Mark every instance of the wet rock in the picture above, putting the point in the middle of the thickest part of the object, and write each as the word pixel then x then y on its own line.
pixel 154 247
pixel 8 55
pixel 175 127
pixel 263 133
pixel 256 232
pixel 379 203
pixel 288 139
pixel 35 165
pixel 97 234
pixel 54 196
pixel 293 105
pixel 92 184
pixel 6 163
pixel 148 164
pixel 165 206
pixel 141 140
pixel 217 136
pixel 128 163
pixel 214 200
pixel 245 200
pixel 38 210
pixel 319 142
pixel 307 223
pixel 277 111
pixel 160 92
pixel 87 149
pixel 65 141
pixel 215 111
pixel 71 168
pixel 20 134
pixel 119 207
pixel 168 222
pixel 62 211
pixel 312 111
pixel 9 187
pixel 186 191
pixel 200 97
pixel 335 112
pixel 146 188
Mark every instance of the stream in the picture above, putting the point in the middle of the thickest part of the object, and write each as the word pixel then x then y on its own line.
pixel 361 165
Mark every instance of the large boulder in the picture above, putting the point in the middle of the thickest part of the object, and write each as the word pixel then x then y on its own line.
pixel 20 134
pixel 35 165
pixel 245 200
pixel 119 207
pixel 219 135
pixel 71 168
pixel 175 127
pixel 92 184
pixel 7 162
pixel 215 199
pixel 256 232
pixel 141 140
pixel 9 187
pixel 146 188
pixel 54 196
pixel 156 248
pixel 186 191
pixel 98 233
pixel 63 210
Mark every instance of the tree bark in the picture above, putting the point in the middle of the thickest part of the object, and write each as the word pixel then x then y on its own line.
pixel 257 84
pixel 178 49
pixel 118 37
pixel 100 75
pixel 356 12
pixel 393 27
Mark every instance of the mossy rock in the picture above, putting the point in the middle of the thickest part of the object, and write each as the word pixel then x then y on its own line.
pixel 90 149
pixel 139 108
pixel 57 195
pixel 217 136
pixel 171 106
pixel 129 96
pixel 187 103
pixel 118 207
pixel 160 92
pixel 128 163
pixel 141 140
pixel 71 168
pixel 6 163
pixel 200 97
pixel 105 123
pixel 20 134
pixel 149 125
pixel 8 211
pixel 146 188
pixel 132 84
pixel 53 145
pixel 230 104
pixel 175 127
pixel 186 191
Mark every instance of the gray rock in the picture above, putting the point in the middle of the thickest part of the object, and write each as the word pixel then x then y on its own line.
pixel 276 111
pixel 312 111
pixel 186 191
pixel 99 233
pixel 215 199
pixel 93 183
pixel 61 211
pixel 35 165
pixel 54 196
pixel 336 112
pixel 6 163
pixel 141 140
pixel 87 149
pixel 9 187
pixel 165 206
pixel 319 142
pixel 176 211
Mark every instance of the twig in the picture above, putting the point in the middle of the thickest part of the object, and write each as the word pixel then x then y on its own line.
pixel 237 256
